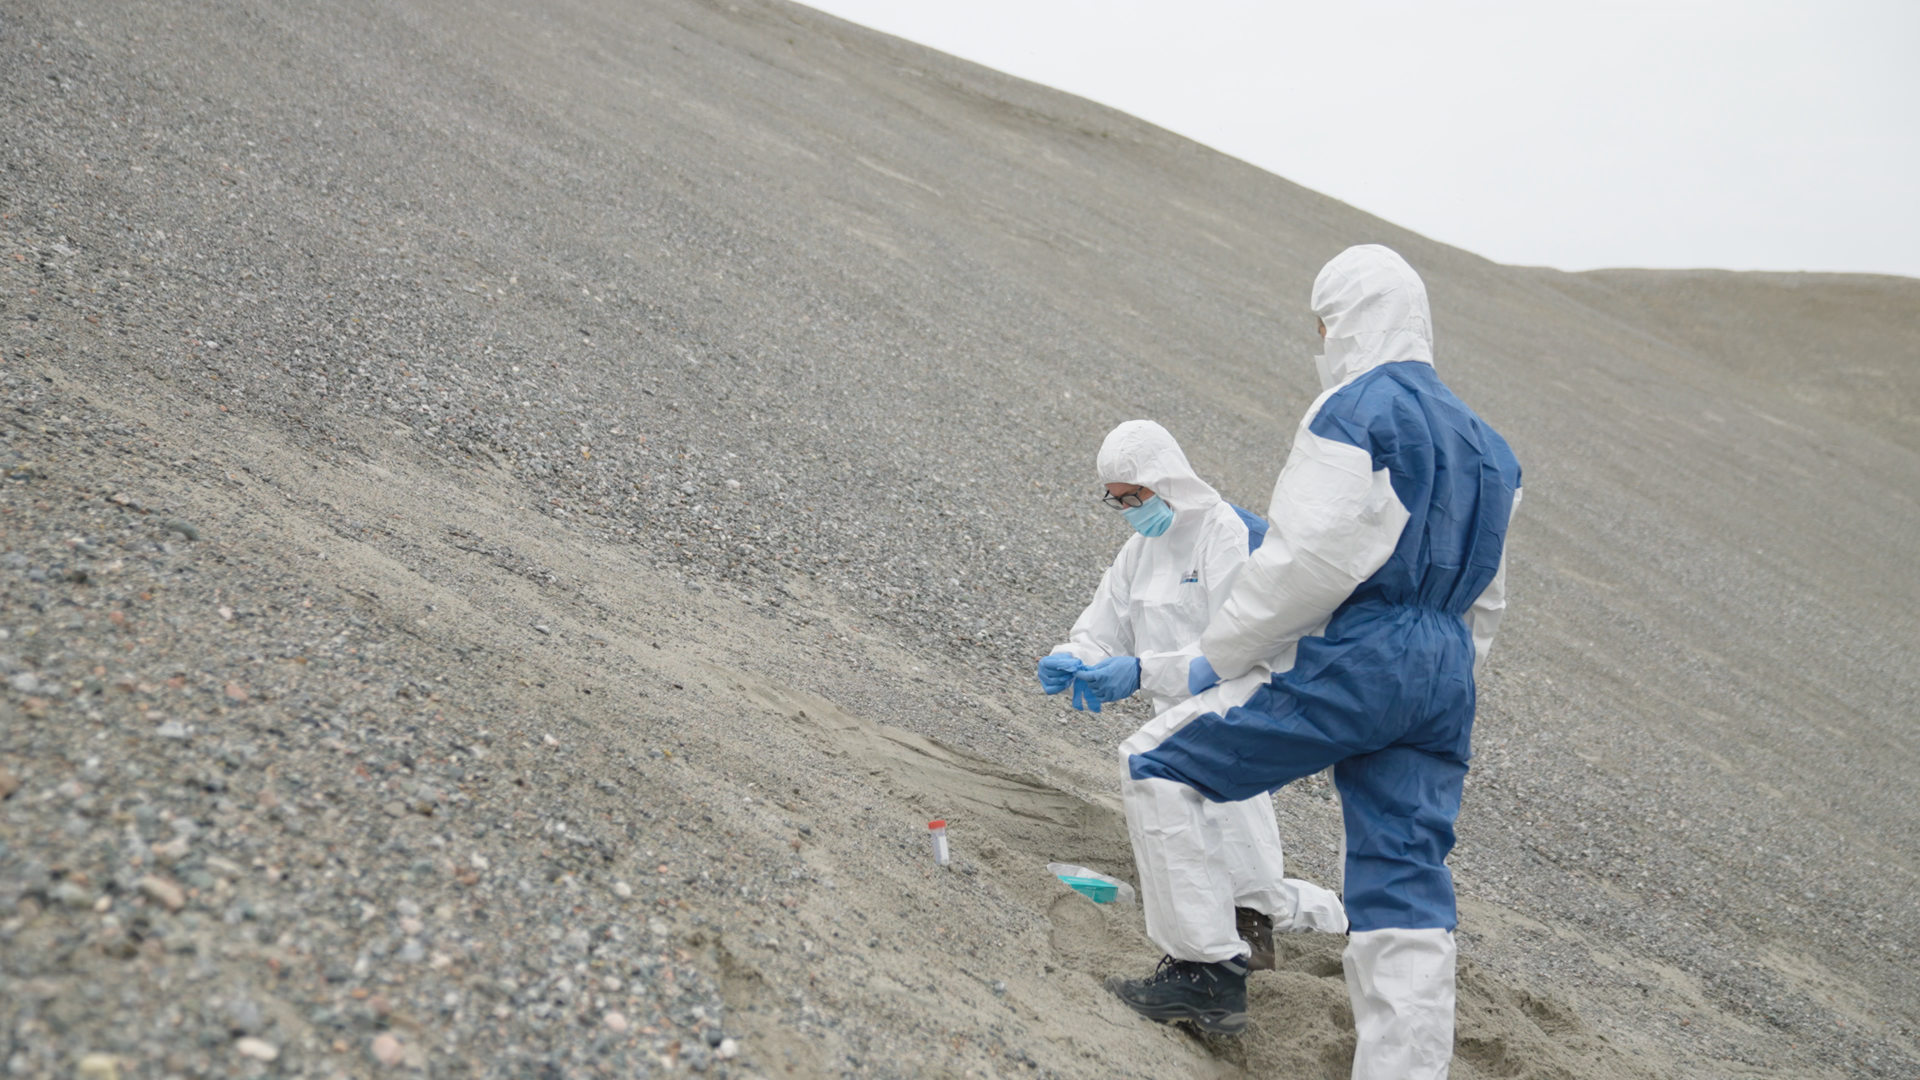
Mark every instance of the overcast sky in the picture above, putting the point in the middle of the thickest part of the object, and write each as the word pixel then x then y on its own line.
pixel 1751 135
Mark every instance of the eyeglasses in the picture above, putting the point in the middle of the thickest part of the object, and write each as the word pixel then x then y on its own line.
pixel 1128 501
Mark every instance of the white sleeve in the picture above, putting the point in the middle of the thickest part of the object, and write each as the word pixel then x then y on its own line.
pixel 1105 629
pixel 1222 555
pixel 1483 618
pixel 1334 522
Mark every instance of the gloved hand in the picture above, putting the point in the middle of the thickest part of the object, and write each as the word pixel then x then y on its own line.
pixel 1200 675
pixel 1057 671
pixel 1083 698
pixel 1111 679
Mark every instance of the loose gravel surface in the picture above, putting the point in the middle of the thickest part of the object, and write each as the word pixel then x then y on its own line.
pixel 514 518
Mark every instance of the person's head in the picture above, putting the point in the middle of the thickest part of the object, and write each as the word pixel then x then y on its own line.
pixel 1372 309
pixel 1140 461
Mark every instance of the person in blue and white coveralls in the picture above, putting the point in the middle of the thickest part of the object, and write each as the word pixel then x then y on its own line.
pixel 1349 641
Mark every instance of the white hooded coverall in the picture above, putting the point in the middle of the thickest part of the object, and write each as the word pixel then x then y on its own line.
pixel 1152 603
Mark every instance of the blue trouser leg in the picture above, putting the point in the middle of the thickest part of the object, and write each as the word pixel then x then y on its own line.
pixel 1246 751
pixel 1400 805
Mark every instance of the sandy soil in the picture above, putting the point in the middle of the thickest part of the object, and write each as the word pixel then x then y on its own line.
pixel 629 457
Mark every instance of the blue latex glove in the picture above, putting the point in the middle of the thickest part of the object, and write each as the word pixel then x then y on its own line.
pixel 1200 675
pixel 1111 679
pixel 1083 698
pixel 1057 671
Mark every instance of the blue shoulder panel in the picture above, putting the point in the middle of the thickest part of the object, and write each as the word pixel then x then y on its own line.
pixel 1256 527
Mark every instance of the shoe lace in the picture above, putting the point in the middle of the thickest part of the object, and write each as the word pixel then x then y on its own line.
pixel 1170 970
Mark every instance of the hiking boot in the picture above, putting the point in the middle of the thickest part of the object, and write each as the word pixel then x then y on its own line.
pixel 1256 929
pixel 1213 997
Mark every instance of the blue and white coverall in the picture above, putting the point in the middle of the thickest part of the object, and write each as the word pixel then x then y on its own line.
pixel 1350 640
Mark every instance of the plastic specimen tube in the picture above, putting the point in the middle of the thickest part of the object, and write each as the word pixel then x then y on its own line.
pixel 939 831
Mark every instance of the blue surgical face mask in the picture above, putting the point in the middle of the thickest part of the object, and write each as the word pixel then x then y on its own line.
pixel 1150 518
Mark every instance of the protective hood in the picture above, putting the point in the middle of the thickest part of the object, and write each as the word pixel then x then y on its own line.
pixel 1142 452
pixel 1375 308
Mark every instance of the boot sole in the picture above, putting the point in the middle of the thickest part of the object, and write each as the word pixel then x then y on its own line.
pixel 1211 1021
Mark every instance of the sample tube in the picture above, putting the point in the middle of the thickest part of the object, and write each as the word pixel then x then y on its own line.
pixel 939 831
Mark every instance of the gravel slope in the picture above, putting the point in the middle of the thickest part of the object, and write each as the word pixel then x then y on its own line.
pixel 679 419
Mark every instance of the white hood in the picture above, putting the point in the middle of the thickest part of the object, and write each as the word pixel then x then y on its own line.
pixel 1375 308
pixel 1142 452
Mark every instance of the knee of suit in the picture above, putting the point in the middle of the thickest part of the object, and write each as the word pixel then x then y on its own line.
pixel 1400 805
pixel 1384 894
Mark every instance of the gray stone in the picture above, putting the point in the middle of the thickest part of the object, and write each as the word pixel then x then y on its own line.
pixel 243 1015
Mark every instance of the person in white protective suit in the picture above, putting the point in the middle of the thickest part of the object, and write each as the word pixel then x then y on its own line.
pixel 1142 632
pixel 1350 640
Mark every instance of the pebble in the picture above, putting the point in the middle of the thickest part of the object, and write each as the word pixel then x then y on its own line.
pixel 243 1015
pixel 727 1050
pixel 257 1049
pixel 9 784
pixel 387 1049
pixel 623 890
pixel 26 682
pixel 67 894
pixel 226 868
pixel 172 729
pixel 616 1022
pixel 98 1067
pixel 163 892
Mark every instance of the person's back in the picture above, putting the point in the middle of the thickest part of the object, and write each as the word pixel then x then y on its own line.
pixel 1394 662
pixel 1456 478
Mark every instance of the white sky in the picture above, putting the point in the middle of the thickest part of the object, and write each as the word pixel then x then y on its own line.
pixel 1745 134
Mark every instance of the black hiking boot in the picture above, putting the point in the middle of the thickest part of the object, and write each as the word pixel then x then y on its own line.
pixel 1256 929
pixel 1212 997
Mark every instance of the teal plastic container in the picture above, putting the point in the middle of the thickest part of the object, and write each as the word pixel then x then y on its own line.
pixel 1100 892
